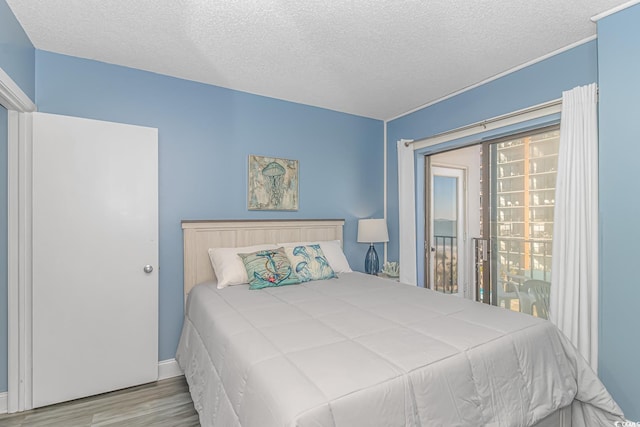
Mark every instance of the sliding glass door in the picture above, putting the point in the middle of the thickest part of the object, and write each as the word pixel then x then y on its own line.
pixel 508 216
pixel 517 221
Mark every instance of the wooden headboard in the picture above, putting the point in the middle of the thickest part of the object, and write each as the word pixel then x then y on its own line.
pixel 199 236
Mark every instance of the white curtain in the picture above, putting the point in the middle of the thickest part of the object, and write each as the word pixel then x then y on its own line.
pixel 407 214
pixel 574 271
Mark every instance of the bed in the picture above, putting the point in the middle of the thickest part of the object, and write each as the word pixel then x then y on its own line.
pixel 359 350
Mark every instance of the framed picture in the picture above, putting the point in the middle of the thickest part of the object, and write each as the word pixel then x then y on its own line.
pixel 273 184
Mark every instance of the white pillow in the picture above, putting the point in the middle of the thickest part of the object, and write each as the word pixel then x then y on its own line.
pixel 229 267
pixel 332 251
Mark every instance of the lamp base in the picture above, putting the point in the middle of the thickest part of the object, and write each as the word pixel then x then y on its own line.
pixel 371 263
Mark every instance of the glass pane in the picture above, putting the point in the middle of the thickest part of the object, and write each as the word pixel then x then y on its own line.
pixel 445 238
pixel 523 177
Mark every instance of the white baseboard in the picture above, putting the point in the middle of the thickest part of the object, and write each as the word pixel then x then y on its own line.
pixel 3 403
pixel 168 369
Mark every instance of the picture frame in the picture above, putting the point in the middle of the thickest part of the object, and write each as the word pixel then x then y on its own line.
pixel 272 184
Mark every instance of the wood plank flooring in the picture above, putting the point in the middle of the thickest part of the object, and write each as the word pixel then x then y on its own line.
pixel 165 403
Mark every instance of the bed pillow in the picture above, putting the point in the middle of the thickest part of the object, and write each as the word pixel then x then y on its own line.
pixel 309 263
pixel 332 250
pixel 228 266
pixel 268 268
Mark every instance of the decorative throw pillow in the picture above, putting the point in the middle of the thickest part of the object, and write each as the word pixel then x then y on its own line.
pixel 309 262
pixel 332 251
pixel 228 266
pixel 267 268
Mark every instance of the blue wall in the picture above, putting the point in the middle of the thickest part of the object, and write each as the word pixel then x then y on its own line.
pixel 17 55
pixel 619 81
pixel 205 136
pixel 538 83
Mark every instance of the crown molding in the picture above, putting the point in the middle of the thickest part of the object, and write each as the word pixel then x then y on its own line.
pixel 606 13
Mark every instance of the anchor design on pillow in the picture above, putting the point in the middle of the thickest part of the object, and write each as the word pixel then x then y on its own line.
pixel 275 272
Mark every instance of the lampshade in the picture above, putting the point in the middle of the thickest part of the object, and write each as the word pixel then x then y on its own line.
pixel 372 231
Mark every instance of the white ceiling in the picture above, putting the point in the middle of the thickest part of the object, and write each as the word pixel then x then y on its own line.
pixel 372 58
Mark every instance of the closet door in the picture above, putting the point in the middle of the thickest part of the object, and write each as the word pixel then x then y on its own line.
pixel 95 256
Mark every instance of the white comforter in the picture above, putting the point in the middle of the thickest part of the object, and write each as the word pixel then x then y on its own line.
pixel 363 351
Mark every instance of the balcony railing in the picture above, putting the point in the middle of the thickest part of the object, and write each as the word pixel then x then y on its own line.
pixel 445 273
pixel 518 261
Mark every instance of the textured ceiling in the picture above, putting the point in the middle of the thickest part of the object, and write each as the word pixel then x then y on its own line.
pixel 371 58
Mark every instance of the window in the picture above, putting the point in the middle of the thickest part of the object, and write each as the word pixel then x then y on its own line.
pixel 523 176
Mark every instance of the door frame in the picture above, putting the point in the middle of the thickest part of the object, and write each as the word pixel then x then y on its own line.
pixel 462 225
pixel 20 251
pixel 19 107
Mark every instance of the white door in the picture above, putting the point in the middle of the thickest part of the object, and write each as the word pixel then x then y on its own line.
pixel 95 228
pixel 446 228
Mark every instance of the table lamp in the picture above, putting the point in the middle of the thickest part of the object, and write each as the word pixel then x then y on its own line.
pixel 372 231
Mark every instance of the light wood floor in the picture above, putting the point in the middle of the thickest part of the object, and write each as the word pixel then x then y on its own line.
pixel 165 403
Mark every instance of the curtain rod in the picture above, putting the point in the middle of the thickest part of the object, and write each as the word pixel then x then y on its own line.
pixel 484 123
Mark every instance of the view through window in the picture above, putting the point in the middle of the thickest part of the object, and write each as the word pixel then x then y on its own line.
pixel 523 179
pixel 445 233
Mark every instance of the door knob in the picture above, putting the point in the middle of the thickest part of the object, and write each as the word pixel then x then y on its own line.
pixel 148 269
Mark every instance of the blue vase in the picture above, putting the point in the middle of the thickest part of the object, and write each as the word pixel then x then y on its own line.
pixel 371 263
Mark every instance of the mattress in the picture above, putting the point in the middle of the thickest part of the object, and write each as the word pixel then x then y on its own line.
pixel 365 351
